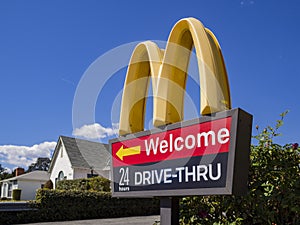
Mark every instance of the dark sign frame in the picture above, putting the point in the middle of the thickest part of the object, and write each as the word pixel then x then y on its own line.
pixel 237 162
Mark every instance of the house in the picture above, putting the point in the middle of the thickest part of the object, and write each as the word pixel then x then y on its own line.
pixel 75 158
pixel 27 182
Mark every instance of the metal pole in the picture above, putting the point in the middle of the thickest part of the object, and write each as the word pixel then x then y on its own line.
pixel 169 211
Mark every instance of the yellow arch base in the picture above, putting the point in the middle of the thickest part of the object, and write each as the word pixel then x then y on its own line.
pixel 168 72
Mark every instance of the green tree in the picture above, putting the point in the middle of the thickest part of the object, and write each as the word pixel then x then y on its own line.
pixel 274 188
pixel 40 164
pixel 4 174
pixel 1 169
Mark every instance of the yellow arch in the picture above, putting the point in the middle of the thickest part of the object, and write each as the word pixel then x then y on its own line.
pixel 168 71
pixel 145 62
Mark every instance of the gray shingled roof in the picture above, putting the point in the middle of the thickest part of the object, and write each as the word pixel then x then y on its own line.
pixel 86 154
pixel 34 175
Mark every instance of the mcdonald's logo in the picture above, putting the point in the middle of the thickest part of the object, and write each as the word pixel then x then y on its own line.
pixel 168 72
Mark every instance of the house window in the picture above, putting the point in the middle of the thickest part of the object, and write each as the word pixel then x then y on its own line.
pixel 4 190
pixel 9 193
pixel 61 176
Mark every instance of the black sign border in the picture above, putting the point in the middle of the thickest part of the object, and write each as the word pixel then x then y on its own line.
pixel 238 158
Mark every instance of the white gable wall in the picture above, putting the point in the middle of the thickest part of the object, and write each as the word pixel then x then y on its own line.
pixel 62 163
pixel 29 188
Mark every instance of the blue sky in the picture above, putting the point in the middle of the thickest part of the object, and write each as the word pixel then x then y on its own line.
pixel 46 48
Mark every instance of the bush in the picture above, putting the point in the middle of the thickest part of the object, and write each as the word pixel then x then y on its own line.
pixel 58 205
pixel 99 184
pixel 16 194
pixel 85 184
pixel 76 205
pixel 274 189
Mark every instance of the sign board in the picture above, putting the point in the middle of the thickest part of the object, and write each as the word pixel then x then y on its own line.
pixel 204 156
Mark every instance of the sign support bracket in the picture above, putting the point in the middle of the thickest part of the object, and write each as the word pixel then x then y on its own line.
pixel 169 211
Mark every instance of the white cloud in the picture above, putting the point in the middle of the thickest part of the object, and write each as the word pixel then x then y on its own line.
pixel 96 131
pixel 23 156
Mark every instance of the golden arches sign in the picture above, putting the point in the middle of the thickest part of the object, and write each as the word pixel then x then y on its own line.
pixel 168 71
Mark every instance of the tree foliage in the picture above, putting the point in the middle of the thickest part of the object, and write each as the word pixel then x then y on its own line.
pixel 4 174
pixel 40 164
pixel 85 184
pixel 2 169
pixel 274 188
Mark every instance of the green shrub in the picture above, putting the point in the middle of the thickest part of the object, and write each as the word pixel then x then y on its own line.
pixel 58 205
pixel 85 184
pixel 71 205
pixel 99 184
pixel 16 194
pixel 274 189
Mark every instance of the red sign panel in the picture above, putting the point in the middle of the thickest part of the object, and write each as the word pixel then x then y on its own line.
pixel 199 139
